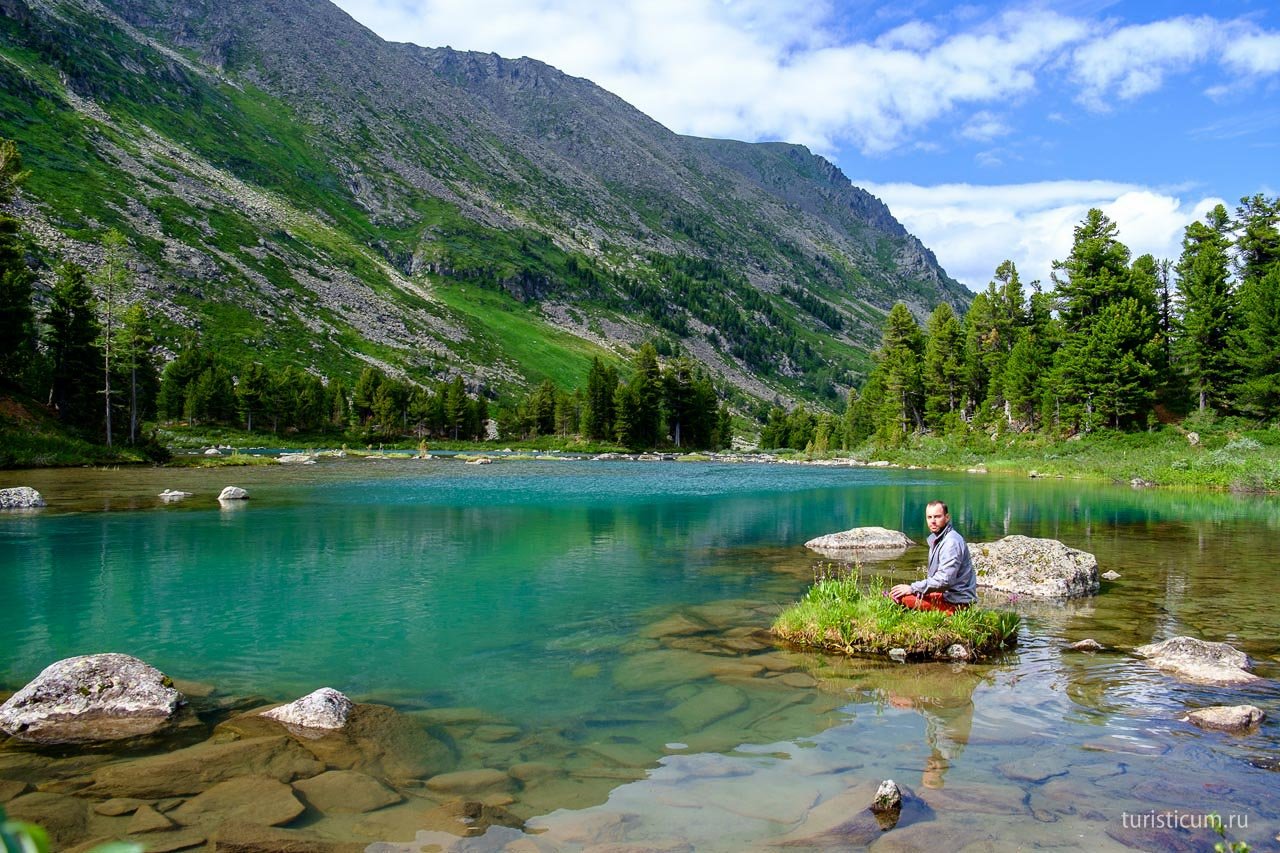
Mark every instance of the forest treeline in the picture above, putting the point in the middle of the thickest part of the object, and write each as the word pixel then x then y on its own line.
pixel 1116 342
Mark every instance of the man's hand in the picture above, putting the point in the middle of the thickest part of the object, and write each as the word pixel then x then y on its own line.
pixel 900 590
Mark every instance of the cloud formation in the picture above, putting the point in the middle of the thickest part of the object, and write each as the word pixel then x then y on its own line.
pixel 974 228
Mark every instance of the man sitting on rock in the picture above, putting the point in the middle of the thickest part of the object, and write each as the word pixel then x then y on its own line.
pixel 950 583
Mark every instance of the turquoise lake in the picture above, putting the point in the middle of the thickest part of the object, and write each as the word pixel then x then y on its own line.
pixel 539 613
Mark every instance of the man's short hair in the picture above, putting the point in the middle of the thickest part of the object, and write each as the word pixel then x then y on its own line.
pixel 942 504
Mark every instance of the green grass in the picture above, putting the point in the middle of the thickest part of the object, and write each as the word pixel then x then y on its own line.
pixel 1231 455
pixel 838 614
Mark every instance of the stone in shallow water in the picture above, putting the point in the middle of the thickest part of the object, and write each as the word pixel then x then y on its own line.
pixel 237 836
pixel 469 781
pixel 346 791
pixel 147 819
pixel 119 806
pixel 63 817
pixel 197 768
pixel 91 698
pixel 253 799
pixel 20 497
pixel 1198 661
pixel 709 705
pixel 1037 568
pixel 1234 718
pixel 10 788
pixel 325 708
pixel 233 493
pixel 864 543
pixel 1034 768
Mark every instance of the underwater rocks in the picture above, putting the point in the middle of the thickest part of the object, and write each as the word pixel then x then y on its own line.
pixel 89 699
pixel 1037 568
pixel 1198 661
pixel 1224 718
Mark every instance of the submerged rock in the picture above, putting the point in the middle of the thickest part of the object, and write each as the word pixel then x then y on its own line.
pixel 865 543
pixel 1086 645
pixel 1037 568
pixel 1227 718
pixel 254 799
pixel 173 495
pixel 1198 661
pixel 888 797
pixel 197 768
pixel 89 699
pixel 325 708
pixel 21 497
pixel 233 493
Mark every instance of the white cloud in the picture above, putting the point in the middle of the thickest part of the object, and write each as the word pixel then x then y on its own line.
pixel 984 127
pixel 1255 53
pixel 973 228
pixel 1132 61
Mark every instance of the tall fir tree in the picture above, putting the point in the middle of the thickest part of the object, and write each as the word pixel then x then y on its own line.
pixel 1208 313
pixel 17 319
pixel 1258 391
pixel 72 341
pixel 943 369
pixel 137 366
pixel 112 279
pixel 898 360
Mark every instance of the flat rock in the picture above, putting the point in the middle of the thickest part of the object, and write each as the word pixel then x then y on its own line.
pixel 254 799
pixel 865 543
pixel 233 493
pixel 118 806
pixel 91 698
pixel 1224 718
pixel 147 819
pixel 1035 769
pixel 325 708
pixel 1036 568
pixel 173 495
pixel 20 497
pixel 10 788
pixel 1199 661
pixel 484 779
pixel 346 791
pixel 200 767
pixel 707 706
pixel 238 836
pixel 63 817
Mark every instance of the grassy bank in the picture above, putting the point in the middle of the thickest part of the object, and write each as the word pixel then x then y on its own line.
pixel 31 437
pixel 1223 454
pixel 842 615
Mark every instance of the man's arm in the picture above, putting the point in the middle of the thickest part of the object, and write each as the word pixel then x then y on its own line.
pixel 950 560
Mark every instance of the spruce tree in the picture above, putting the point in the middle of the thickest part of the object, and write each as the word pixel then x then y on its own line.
pixel 899 360
pixel 1207 319
pixel 17 319
pixel 1258 392
pixel 943 368
pixel 112 279
pixel 73 349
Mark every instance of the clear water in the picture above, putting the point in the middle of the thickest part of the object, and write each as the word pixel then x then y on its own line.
pixel 536 594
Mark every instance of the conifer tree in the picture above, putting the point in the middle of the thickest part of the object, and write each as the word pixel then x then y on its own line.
pixel 1207 320
pixel 112 279
pixel 898 362
pixel 943 368
pixel 134 347
pixel 17 319
pixel 252 392
pixel 72 342
pixel 1258 392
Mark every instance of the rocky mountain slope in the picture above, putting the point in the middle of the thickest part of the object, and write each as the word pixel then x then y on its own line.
pixel 297 189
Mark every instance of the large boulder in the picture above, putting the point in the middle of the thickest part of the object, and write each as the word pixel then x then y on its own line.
pixel 91 698
pixel 1036 568
pixel 233 493
pixel 861 543
pixel 325 708
pixel 21 497
pixel 1198 661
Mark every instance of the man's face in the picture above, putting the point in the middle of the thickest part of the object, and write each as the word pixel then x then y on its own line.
pixel 936 518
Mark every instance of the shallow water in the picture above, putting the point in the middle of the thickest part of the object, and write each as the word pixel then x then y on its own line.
pixel 552 600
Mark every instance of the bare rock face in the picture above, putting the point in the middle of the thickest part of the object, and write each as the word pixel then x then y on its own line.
pixel 1227 718
pixel 325 708
pixel 1036 568
pixel 233 493
pixel 21 497
pixel 865 543
pixel 1198 661
pixel 91 698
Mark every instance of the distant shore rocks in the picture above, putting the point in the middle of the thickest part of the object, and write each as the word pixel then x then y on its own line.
pixel 20 497
pixel 1198 661
pixel 1036 568
pixel 866 543
pixel 89 699
pixel 233 493
pixel 325 708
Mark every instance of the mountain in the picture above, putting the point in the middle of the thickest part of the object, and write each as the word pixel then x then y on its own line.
pixel 299 190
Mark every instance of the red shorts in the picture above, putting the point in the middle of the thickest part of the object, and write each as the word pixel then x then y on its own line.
pixel 930 601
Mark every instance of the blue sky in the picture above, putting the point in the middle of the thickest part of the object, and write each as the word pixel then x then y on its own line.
pixel 989 129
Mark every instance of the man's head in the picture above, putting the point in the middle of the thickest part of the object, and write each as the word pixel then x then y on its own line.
pixel 936 516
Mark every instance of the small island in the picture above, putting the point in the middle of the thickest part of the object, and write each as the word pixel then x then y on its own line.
pixel 839 615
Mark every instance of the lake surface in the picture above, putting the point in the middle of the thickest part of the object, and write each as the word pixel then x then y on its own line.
pixel 601 621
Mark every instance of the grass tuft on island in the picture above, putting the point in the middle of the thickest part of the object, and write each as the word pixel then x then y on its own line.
pixel 838 614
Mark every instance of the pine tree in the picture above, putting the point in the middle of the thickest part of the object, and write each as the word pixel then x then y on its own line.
pixel 1207 321
pixel 898 361
pixel 646 382
pixel 1258 392
pixel 17 319
pixel 1095 273
pixel 72 342
pixel 1257 228
pixel 134 345
pixel 252 392
pixel 943 367
pixel 112 279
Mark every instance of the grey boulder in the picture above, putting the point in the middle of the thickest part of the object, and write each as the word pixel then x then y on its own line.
pixel 1036 568
pixel 20 497
pixel 325 708
pixel 866 543
pixel 91 698
pixel 1199 661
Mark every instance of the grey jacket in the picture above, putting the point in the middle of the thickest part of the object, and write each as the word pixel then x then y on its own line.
pixel 950 569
